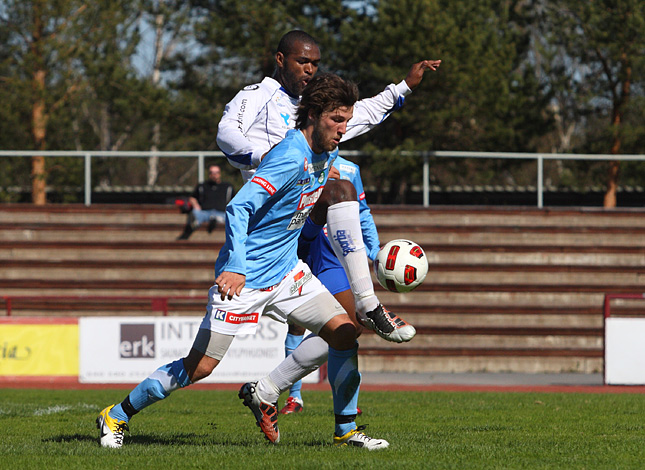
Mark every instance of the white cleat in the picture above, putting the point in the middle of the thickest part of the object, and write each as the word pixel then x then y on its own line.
pixel 357 438
pixel 387 325
pixel 111 430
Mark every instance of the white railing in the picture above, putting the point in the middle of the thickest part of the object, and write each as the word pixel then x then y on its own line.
pixel 425 155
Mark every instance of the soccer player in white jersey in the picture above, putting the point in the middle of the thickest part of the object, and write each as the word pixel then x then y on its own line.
pixel 258 117
pixel 258 272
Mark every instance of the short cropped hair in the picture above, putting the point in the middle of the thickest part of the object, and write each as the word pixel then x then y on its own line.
pixel 288 41
pixel 325 92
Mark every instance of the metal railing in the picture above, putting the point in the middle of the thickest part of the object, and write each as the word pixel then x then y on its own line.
pixel 424 155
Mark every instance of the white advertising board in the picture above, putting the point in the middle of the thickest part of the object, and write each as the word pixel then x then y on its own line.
pixel 625 351
pixel 127 350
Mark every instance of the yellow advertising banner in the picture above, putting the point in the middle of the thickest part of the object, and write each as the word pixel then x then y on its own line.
pixel 38 349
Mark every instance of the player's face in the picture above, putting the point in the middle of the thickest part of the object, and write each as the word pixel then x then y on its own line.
pixel 329 128
pixel 298 67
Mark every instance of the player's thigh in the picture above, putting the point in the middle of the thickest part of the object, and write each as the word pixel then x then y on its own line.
pixel 304 300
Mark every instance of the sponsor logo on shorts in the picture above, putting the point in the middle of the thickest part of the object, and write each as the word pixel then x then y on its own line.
pixel 265 184
pixel 235 318
pixel 299 280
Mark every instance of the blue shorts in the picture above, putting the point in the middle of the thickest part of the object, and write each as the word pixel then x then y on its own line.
pixel 324 264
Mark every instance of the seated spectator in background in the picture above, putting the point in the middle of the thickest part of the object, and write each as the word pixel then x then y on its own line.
pixel 208 202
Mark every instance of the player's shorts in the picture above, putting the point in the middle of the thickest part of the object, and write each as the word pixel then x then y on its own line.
pixel 325 265
pixel 300 298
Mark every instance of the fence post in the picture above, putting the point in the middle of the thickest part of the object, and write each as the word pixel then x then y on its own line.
pixel 200 168
pixel 88 179
pixel 426 180
pixel 540 177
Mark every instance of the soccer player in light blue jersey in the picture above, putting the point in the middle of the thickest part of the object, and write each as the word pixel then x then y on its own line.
pixel 257 118
pixel 258 272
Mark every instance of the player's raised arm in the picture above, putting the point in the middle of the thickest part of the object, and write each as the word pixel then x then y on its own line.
pixel 415 74
pixel 370 112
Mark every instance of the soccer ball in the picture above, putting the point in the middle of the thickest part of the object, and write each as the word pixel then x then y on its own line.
pixel 401 266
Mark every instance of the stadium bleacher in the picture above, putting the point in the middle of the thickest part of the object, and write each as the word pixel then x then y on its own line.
pixel 509 289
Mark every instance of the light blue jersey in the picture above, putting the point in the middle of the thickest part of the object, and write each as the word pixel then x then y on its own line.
pixel 266 216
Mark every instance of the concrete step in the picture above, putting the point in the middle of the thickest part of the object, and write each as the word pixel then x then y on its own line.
pixel 426 239
pixel 511 362
pixel 510 216
pixel 384 215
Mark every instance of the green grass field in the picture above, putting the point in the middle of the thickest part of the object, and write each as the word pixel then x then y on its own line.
pixel 211 429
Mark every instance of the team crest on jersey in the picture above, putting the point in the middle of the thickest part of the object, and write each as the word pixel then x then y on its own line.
pixel 235 318
pixel 299 280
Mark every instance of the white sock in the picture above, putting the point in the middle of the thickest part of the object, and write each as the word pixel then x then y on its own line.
pixel 346 238
pixel 306 358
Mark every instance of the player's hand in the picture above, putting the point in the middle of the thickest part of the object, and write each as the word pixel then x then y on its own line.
pixel 415 75
pixel 229 284
pixel 334 174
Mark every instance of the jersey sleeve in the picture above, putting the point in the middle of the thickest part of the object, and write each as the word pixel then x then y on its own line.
pixel 370 112
pixel 232 138
pixel 275 173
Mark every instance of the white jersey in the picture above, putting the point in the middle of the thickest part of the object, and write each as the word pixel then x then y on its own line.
pixel 260 115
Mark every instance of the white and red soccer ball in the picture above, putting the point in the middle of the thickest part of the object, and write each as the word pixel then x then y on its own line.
pixel 401 265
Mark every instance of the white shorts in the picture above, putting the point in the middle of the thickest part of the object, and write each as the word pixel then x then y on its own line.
pixel 300 293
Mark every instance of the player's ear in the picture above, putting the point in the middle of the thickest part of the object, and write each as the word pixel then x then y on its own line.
pixel 279 59
pixel 311 116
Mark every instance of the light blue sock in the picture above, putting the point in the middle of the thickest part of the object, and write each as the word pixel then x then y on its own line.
pixel 345 381
pixel 157 386
pixel 291 342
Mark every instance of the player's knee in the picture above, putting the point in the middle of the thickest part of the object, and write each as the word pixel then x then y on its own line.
pixel 339 191
pixel 296 330
pixel 343 337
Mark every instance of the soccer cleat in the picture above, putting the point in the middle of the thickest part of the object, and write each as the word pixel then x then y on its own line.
pixel 266 414
pixel 293 405
pixel 387 325
pixel 357 438
pixel 111 430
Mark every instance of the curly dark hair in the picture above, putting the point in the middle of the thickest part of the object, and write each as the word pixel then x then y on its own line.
pixel 325 92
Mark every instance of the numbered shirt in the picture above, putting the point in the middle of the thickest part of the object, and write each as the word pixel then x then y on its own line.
pixel 260 115
pixel 265 218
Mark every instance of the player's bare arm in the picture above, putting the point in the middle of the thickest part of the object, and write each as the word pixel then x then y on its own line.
pixel 415 75
pixel 229 284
